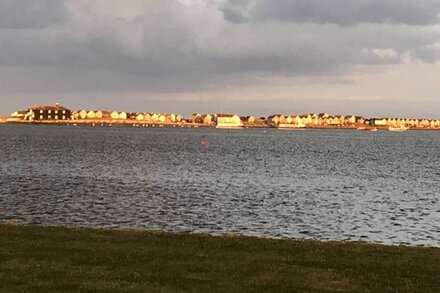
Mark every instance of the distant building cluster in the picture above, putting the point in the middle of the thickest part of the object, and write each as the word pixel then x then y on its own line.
pixel 58 113
pixel 406 122
pixel 219 120
pixel 123 116
pixel 311 119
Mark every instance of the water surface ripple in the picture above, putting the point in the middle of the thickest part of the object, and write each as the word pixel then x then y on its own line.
pixel 321 184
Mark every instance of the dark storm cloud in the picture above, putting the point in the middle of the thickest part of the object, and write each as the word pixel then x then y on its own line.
pixel 166 46
pixel 22 14
pixel 341 12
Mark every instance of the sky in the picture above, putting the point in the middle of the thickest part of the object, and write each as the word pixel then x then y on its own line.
pixel 365 57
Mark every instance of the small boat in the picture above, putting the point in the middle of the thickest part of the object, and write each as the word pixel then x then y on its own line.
pixel 288 126
pixel 398 129
pixel 229 127
pixel 291 128
pixel 367 128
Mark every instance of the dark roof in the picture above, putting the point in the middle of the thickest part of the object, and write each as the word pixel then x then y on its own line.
pixel 53 107
pixel 275 115
pixel 225 115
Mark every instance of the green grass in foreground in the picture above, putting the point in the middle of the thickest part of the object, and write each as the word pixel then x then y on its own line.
pixel 51 259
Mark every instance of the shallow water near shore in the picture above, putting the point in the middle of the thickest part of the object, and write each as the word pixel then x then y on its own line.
pixel 322 184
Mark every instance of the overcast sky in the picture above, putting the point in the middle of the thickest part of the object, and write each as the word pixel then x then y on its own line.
pixel 368 57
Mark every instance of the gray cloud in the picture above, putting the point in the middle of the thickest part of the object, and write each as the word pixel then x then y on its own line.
pixel 165 46
pixel 341 12
pixel 22 14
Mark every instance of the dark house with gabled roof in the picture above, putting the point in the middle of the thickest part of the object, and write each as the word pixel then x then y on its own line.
pixel 55 112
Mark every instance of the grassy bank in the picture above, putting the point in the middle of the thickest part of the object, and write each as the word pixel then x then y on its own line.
pixel 51 259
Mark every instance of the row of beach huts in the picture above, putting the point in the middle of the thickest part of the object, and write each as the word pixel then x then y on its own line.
pixel 58 113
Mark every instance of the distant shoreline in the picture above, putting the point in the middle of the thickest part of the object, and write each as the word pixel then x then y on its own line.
pixel 133 123
pixel 60 115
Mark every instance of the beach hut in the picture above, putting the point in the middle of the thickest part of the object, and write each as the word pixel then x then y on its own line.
pixel 91 115
pixel 206 119
pixel 147 117
pixel 161 118
pixel 123 115
pixel 154 117
pixel 82 114
pixel 195 118
pixel 98 114
pixel 114 115
pixel 276 119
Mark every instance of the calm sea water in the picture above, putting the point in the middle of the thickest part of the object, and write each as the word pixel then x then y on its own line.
pixel 322 184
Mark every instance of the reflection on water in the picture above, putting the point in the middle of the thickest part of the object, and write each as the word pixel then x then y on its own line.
pixel 330 184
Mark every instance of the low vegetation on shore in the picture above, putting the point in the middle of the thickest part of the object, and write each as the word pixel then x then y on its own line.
pixel 60 259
